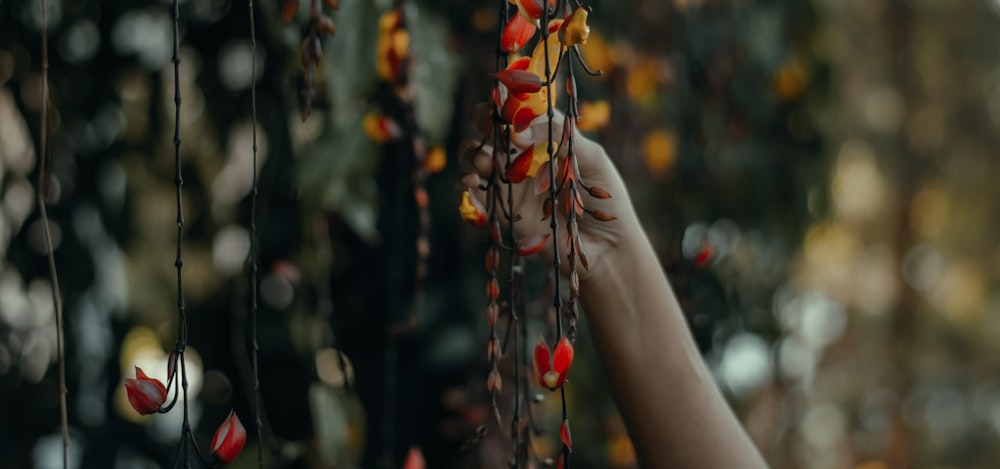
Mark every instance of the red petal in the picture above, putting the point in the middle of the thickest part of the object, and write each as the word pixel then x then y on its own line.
pixel 145 394
pixel 520 81
pixel 546 208
pixel 522 118
pixel 229 439
pixel 533 8
pixel 517 33
pixel 542 364
pixel 562 358
pixel 531 244
pixel 567 439
pixel 542 181
pixel 520 64
pixel 518 169
pixel 703 256
pixel 414 459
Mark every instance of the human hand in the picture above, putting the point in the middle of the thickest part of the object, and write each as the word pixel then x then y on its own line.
pixel 600 240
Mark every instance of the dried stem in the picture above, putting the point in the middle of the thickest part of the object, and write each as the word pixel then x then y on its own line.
pixel 255 347
pixel 42 190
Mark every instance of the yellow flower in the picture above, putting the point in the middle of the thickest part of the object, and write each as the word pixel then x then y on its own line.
pixel 575 30
pixel 472 211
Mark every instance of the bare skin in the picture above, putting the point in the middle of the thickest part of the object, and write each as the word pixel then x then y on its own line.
pixel 674 413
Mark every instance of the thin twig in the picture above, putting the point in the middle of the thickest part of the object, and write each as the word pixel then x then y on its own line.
pixel 255 347
pixel 43 175
pixel 186 436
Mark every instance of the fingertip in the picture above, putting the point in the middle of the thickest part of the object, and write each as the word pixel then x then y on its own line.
pixel 471 180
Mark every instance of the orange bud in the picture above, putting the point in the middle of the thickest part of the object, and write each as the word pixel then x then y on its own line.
pixel 494 382
pixel 288 10
pixel 598 192
pixel 436 160
pixel 420 197
pixel 602 215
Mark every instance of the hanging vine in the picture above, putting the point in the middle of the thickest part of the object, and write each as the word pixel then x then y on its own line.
pixel 42 189
pixel 148 395
pixel 521 96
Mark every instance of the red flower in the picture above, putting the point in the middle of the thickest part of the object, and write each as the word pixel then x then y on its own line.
pixel 145 394
pixel 550 372
pixel 229 439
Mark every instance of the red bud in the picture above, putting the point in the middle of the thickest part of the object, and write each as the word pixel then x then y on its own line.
pixel 518 169
pixel 564 434
pixel 415 459
pixel 229 439
pixel 520 81
pixel 542 358
pixel 516 34
pixel 561 360
pixel 145 394
pixel 492 289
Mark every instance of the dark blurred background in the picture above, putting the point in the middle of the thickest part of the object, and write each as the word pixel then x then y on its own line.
pixel 817 177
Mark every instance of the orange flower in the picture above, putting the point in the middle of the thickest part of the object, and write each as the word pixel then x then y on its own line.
pixel 392 49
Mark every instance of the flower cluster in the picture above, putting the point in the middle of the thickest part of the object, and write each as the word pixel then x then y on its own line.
pixel 148 396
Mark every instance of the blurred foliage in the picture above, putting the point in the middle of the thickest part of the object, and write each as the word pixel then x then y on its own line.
pixel 816 176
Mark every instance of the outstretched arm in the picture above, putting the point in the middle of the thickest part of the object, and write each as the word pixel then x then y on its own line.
pixel 673 411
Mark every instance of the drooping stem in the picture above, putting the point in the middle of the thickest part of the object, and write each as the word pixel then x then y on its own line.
pixel 186 437
pixel 553 194
pixel 255 347
pixel 42 190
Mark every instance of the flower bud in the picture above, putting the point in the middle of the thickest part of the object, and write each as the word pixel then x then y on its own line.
pixel 229 439
pixel 145 394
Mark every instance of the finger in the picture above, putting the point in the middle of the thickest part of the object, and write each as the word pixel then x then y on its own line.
pixel 476 157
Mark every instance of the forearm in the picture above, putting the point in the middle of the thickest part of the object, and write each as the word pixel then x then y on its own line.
pixel 674 413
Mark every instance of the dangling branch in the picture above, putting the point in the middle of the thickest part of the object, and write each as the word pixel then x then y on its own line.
pixel 44 164
pixel 255 348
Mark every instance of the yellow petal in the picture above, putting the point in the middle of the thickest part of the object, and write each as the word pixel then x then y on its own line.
pixel 575 31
